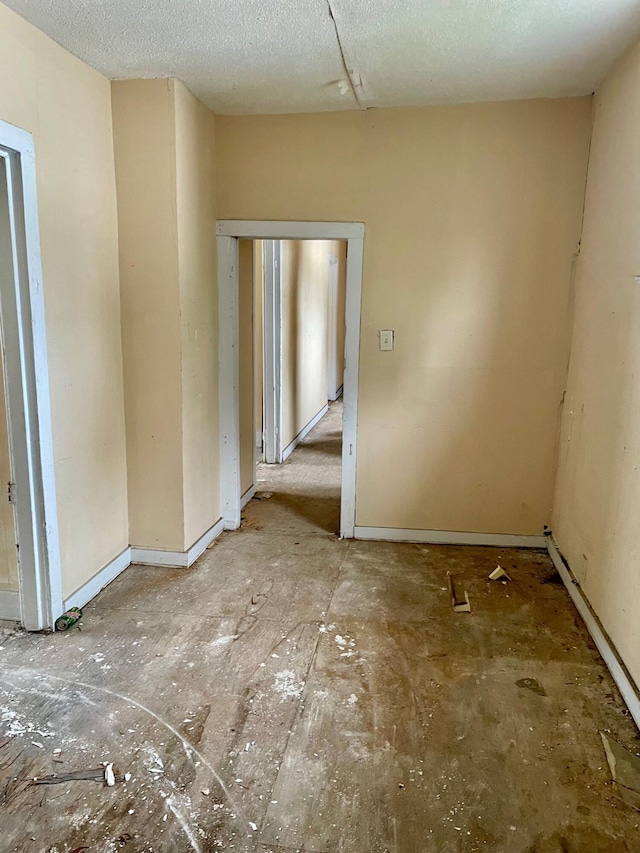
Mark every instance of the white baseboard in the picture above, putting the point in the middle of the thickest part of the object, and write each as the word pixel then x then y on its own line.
pixel 141 556
pixel 98 582
pixel 448 537
pixel 10 605
pixel 603 643
pixel 250 493
pixel 286 453
pixel 177 559
pixel 338 394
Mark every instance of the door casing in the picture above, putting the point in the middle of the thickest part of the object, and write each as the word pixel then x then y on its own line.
pixel 22 316
pixel 228 234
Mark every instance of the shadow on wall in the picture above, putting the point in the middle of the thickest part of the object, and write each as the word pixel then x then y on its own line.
pixel 305 338
pixel 598 491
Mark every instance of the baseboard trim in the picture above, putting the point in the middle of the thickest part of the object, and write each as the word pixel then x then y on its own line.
pixel 177 559
pixel 250 493
pixel 10 605
pixel 338 394
pixel 286 453
pixel 98 582
pixel 605 646
pixel 448 537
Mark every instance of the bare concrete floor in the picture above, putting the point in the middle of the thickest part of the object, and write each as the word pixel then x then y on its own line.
pixel 295 692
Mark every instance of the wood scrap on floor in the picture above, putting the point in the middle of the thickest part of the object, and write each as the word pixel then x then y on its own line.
pixel 459 603
pixel 625 771
pixel 106 775
pixel 499 574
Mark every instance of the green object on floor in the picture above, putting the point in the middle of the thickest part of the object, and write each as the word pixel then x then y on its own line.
pixel 68 619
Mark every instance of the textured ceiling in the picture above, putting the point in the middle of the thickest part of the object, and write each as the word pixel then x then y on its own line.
pixel 268 56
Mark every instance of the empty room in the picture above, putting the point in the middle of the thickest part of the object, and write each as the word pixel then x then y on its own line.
pixel 320 427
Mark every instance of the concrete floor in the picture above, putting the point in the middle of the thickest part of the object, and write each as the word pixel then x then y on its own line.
pixel 295 692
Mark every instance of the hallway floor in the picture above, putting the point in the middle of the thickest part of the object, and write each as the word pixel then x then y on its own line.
pixel 295 692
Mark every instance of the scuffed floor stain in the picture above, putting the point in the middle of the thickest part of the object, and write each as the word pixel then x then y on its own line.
pixel 294 692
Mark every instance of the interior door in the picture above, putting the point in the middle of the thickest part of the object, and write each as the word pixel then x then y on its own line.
pixel 8 552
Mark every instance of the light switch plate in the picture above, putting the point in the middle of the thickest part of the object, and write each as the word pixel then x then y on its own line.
pixel 386 340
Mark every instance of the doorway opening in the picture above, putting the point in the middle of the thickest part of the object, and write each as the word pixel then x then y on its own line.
pixel 30 582
pixel 291 352
pixel 301 382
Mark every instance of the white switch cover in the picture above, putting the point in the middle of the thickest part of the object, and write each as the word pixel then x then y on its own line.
pixel 386 340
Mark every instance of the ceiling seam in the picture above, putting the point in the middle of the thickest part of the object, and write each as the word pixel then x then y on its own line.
pixel 343 57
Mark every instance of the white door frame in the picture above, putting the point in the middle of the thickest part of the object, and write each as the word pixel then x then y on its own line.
pixel 272 348
pixel 27 388
pixel 228 233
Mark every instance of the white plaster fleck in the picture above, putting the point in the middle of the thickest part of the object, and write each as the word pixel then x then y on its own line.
pixel 287 685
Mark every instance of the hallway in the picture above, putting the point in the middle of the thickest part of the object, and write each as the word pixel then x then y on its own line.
pixel 295 692
pixel 306 488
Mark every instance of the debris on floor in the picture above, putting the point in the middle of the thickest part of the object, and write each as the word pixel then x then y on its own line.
pixel 625 771
pixel 531 684
pixel 499 574
pixel 249 523
pixel 105 774
pixel 459 603
pixel 317 697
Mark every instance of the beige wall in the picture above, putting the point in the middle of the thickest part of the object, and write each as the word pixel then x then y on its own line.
pixel 305 317
pixel 246 364
pixel 67 107
pixel 145 156
pixel 597 503
pixel 472 215
pixel 166 201
pixel 197 263
pixel 338 248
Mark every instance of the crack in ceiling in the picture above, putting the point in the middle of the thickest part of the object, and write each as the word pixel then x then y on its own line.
pixel 348 71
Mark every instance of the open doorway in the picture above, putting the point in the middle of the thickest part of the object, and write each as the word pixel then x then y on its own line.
pixel 291 356
pixel 30 584
pixel 296 416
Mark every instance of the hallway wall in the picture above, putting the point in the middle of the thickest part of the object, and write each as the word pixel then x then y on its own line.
pixel 67 107
pixel 197 266
pixel 166 204
pixel 472 215
pixel 338 248
pixel 305 320
pixel 144 142
pixel 597 502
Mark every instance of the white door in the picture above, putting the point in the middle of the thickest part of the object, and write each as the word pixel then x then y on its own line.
pixel 9 581
pixel 272 342
pixel 8 538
